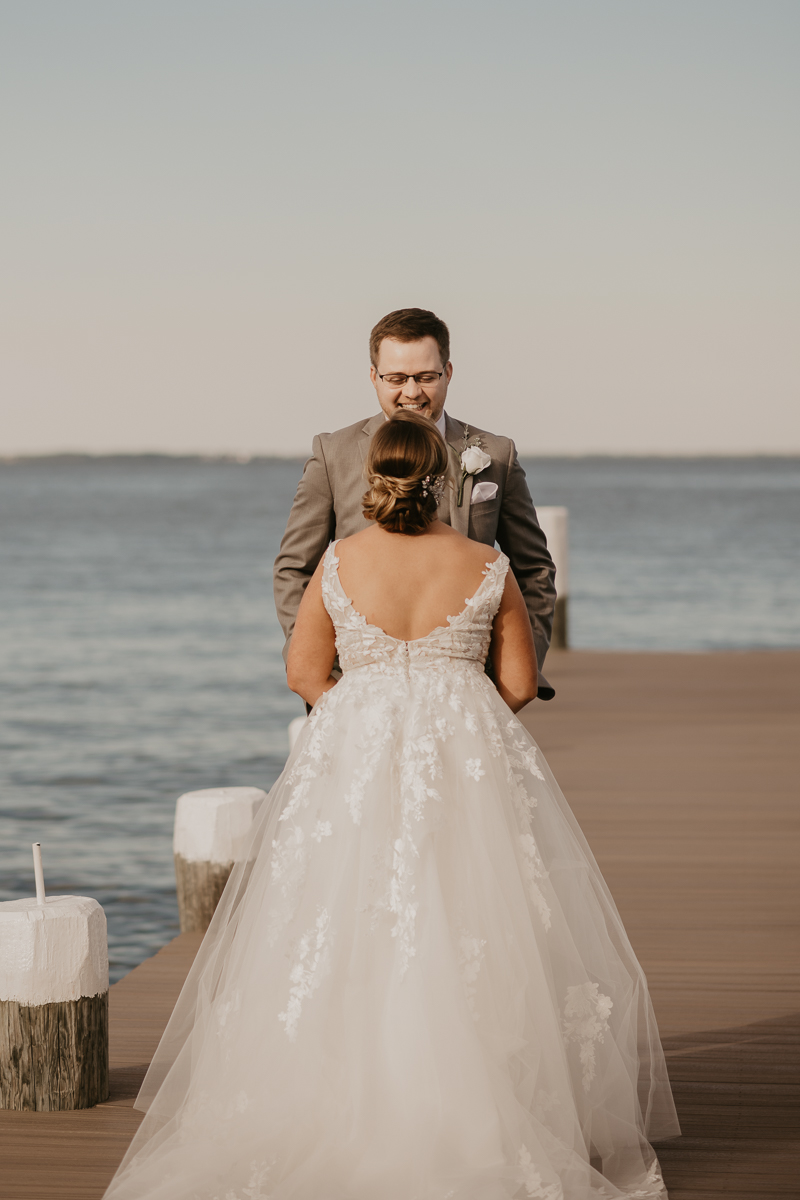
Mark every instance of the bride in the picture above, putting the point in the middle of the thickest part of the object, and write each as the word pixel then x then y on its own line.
pixel 417 985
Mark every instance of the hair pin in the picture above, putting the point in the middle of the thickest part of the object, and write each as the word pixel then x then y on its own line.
pixel 433 486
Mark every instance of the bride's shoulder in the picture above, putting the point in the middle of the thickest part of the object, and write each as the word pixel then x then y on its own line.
pixel 364 536
pixel 464 558
pixel 354 545
pixel 469 549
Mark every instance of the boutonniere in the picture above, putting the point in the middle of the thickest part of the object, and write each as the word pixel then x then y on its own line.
pixel 474 459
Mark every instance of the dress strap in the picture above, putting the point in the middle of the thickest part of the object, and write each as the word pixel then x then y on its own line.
pixel 500 566
pixel 495 573
pixel 490 594
pixel 330 560
pixel 333 595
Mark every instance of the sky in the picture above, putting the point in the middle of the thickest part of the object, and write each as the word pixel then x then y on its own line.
pixel 206 206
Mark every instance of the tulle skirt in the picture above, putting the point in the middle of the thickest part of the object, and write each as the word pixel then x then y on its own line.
pixel 417 985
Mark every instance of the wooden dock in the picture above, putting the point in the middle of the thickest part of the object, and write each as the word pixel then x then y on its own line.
pixel 683 771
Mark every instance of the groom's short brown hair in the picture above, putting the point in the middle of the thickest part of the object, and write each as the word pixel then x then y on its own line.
pixel 410 325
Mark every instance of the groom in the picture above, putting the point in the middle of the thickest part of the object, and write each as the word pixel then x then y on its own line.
pixel 489 500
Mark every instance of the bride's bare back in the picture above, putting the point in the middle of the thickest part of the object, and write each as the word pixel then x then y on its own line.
pixel 409 586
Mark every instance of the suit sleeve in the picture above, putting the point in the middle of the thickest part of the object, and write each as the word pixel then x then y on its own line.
pixel 310 528
pixel 520 536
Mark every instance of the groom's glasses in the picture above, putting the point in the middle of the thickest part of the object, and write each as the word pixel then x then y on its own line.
pixel 420 378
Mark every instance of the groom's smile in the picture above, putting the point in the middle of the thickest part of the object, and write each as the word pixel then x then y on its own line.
pixel 411 375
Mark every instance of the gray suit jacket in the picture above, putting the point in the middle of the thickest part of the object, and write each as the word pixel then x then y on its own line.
pixel 327 505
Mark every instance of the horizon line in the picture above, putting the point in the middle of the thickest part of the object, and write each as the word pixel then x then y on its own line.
pixel 288 456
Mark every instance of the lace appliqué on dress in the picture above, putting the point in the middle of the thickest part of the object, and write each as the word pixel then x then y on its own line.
pixel 470 958
pixel 652 1187
pixel 586 1013
pixel 419 766
pixel 310 966
pixel 532 1179
pixel 253 1189
pixel 521 759
pixel 291 848
pixel 474 769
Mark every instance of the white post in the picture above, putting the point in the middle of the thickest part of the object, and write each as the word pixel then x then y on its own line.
pixel 295 729
pixel 211 831
pixel 38 872
pixel 555 526
pixel 53 1002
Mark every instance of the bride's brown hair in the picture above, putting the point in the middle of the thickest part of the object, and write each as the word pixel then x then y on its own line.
pixel 406 465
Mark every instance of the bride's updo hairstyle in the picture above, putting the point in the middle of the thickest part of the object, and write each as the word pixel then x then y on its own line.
pixel 406 466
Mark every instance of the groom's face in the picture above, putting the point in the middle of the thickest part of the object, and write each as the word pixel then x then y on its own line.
pixel 411 358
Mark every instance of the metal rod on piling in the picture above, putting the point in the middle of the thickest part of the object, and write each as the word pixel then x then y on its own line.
pixel 38 872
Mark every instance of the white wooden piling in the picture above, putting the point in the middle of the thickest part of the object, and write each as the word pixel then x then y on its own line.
pixel 53 1001
pixel 554 521
pixel 295 729
pixel 211 828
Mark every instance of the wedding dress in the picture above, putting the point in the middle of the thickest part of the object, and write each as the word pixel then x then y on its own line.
pixel 417 986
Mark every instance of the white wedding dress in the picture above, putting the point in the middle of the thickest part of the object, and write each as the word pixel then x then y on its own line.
pixel 417 987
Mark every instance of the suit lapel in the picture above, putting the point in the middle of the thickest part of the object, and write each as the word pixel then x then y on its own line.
pixel 367 430
pixel 454 436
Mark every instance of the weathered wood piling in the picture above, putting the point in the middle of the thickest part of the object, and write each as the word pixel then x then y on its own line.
pixel 554 521
pixel 211 828
pixel 53 1004
pixel 295 729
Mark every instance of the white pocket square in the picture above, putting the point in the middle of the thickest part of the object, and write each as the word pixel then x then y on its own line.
pixel 483 491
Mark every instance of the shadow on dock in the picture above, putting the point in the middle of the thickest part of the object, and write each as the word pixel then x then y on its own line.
pixel 737 1092
pixel 124 1083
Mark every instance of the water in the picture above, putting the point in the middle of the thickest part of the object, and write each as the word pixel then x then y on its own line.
pixel 141 654
pixel 679 554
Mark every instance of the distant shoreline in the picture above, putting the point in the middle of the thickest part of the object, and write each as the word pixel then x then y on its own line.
pixel 162 456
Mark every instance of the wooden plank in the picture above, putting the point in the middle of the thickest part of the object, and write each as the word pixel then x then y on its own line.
pixel 682 770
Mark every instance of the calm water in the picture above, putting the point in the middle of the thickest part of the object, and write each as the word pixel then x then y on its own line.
pixel 141 654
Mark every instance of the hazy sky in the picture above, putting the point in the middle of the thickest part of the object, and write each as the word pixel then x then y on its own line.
pixel 206 206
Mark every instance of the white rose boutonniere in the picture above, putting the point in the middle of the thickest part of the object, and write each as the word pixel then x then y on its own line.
pixel 473 461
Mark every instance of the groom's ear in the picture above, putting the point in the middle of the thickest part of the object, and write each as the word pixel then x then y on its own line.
pixel 448 370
